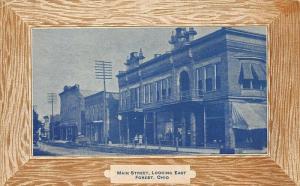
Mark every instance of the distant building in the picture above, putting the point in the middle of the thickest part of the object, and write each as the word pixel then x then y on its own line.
pixel 96 131
pixel 45 128
pixel 71 113
pixel 55 127
pixel 207 92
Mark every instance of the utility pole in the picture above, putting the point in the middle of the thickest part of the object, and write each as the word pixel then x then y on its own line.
pixel 103 70
pixel 52 100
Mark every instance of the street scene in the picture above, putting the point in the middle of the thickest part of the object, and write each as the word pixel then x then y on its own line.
pixel 149 91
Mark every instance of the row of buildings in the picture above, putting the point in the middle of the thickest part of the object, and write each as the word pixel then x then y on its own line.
pixel 82 115
pixel 206 92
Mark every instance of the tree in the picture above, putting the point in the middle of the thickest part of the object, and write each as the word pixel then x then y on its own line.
pixel 36 126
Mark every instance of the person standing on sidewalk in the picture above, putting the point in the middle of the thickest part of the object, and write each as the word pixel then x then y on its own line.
pixel 136 139
pixel 140 139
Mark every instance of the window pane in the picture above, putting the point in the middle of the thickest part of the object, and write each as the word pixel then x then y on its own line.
pixel 263 85
pixel 210 78
pixel 209 84
pixel 200 87
pixel 169 87
pixel 151 92
pixel 256 84
pixel 218 82
pixel 210 72
pixel 246 84
pixel 164 88
pixel 147 93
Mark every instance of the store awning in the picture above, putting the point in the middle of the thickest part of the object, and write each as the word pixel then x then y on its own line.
pixel 259 72
pixel 246 71
pixel 249 116
pixel 253 71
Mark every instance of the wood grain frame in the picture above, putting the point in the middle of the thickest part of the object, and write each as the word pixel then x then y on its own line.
pixel 17 17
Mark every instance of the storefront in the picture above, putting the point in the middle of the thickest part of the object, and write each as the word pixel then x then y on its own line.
pixel 94 131
pixel 68 132
pixel 250 124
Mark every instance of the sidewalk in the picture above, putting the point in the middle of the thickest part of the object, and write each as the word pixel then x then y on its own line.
pixel 196 150
pixel 168 148
pixel 120 150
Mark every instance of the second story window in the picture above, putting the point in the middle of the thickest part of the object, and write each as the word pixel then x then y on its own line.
pixel 252 76
pixel 210 78
pixel 219 72
pixel 147 93
pixel 200 76
pixel 246 83
pixel 158 90
pixel 164 89
pixel 209 84
pixel 151 92
pixel 169 84
pixel 133 97
pixel 256 84
pixel 127 98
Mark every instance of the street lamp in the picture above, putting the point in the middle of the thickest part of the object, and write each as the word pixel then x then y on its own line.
pixel 119 119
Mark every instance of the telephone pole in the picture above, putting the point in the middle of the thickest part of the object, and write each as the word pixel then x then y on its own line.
pixel 103 70
pixel 52 100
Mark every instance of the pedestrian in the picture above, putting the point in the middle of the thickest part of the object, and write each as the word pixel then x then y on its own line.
pixel 140 139
pixel 136 139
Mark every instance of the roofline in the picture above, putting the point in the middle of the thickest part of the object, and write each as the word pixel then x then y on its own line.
pixel 205 38
pixel 98 93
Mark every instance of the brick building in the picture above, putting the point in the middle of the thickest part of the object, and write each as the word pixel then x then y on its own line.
pixel 206 92
pixel 71 113
pixel 96 131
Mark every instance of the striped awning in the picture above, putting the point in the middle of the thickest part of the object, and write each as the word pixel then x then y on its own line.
pixel 249 116
pixel 247 71
pixel 253 71
pixel 259 72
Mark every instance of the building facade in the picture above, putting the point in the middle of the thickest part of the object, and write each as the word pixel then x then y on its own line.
pixel 55 127
pixel 102 126
pixel 71 113
pixel 206 92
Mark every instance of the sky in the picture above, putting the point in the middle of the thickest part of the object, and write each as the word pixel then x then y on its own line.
pixel 66 56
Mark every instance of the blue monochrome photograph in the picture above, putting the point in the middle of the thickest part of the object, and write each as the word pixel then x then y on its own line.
pixel 163 91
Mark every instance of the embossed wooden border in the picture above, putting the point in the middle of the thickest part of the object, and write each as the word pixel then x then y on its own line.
pixel 17 17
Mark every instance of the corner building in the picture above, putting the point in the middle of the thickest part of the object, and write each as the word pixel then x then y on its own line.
pixel 208 92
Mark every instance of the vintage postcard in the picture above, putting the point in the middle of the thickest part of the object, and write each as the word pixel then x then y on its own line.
pixel 175 91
